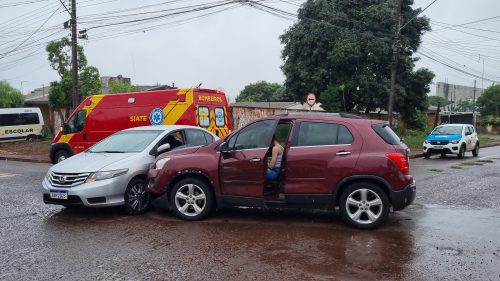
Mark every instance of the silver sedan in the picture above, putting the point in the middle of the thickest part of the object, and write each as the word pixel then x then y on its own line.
pixel 113 172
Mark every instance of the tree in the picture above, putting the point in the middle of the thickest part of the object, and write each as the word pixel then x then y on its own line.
pixel 59 55
pixel 119 87
pixel 331 98
pixel 489 101
pixel 465 105
pixel 349 43
pixel 10 97
pixel 434 100
pixel 263 91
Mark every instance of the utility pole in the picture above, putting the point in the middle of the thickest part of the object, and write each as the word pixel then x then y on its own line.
pixel 474 105
pixel 74 59
pixel 395 51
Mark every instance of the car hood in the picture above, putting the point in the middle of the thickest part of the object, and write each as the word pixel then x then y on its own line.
pixel 89 162
pixel 183 151
pixel 443 137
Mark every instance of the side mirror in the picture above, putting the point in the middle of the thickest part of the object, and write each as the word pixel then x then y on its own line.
pixel 223 147
pixel 468 133
pixel 162 148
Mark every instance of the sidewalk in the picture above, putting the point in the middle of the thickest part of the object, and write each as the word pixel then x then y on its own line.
pixel 36 151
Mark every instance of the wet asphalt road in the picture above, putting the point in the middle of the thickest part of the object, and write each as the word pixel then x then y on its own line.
pixel 452 232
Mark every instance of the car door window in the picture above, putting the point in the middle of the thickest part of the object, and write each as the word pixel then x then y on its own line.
pixel 208 137
pixel 318 134
pixel 76 123
pixel 256 135
pixel 195 137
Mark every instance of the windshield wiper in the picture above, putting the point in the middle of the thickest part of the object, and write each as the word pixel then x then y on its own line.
pixel 108 151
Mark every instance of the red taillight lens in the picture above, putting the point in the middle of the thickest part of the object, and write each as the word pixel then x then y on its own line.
pixel 400 161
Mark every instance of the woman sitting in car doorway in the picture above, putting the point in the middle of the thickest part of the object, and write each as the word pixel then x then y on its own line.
pixel 274 162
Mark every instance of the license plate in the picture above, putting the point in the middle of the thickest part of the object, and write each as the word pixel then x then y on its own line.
pixel 438 147
pixel 58 194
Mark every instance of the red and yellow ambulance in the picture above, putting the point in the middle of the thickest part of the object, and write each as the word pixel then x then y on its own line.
pixel 102 115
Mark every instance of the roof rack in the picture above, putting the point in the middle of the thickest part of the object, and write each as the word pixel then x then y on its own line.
pixel 321 114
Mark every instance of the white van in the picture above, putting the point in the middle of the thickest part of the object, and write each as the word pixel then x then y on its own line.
pixel 20 123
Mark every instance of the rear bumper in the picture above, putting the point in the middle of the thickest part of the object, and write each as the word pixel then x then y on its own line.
pixel 401 199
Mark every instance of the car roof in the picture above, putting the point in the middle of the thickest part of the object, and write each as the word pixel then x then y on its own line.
pixel 447 125
pixel 163 128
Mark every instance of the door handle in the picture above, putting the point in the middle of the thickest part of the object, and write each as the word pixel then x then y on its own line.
pixel 342 153
pixel 255 160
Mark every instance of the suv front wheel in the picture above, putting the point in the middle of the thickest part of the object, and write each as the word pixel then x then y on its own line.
pixel 191 199
pixel 364 205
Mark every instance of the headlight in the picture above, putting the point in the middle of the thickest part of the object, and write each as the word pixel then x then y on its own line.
pixel 104 175
pixel 161 162
pixel 47 176
pixel 426 142
pixel 456 141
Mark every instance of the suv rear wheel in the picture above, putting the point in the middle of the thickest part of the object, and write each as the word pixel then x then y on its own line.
pixel 364 205
pixel 191 199
pixel 475 152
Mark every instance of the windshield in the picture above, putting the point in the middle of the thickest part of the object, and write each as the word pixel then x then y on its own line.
pixel 124 142
pixel 447 130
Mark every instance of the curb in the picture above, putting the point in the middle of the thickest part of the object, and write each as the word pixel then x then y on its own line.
pixel 419 155
pixel 9 158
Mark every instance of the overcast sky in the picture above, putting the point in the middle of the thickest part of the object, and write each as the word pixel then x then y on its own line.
pixel 226 50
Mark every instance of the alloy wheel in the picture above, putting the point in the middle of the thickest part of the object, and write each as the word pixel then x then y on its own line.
pixel 364 206
pixel 190 200
pixel 138 197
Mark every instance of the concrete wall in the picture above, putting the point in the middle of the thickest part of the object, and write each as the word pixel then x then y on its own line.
pixel 454 92
pixel 244 115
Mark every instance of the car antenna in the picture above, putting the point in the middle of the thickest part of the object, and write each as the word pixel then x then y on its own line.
pixel 199 85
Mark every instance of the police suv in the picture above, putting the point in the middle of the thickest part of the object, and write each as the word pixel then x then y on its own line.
pixel 451 139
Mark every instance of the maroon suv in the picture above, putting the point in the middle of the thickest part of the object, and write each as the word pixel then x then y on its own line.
pixel 358 165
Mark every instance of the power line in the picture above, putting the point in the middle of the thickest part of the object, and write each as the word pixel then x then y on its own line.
pixel 414 17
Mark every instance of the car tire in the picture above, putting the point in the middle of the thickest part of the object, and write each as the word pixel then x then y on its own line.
pixel 461 152
pixel 191 199
pixel 364 205
pixel 475 151
pixel 137 199
pixel 427 155
pixel 60 156
pixel 31 137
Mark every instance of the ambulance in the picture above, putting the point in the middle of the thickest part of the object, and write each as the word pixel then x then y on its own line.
pixel 20 123
pixel 99 116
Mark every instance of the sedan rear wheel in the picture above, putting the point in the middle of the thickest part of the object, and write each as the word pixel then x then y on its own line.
pixel 191 199
pixel 364 205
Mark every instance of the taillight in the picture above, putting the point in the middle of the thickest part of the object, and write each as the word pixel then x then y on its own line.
pixel 400 161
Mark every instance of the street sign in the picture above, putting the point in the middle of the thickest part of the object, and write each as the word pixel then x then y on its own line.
pixel 311 99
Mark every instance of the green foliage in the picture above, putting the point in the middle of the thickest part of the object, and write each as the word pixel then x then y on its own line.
pixel 414 139
pixel 47 133
pixel 59 55
pixel 119 87
pixel 416 120
pixel 263 91
pixel 465 106
pixel 434 100
pixel 331 99
pixel 10 97
pixel 489 101
pixel 90 83
pixel 324 49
